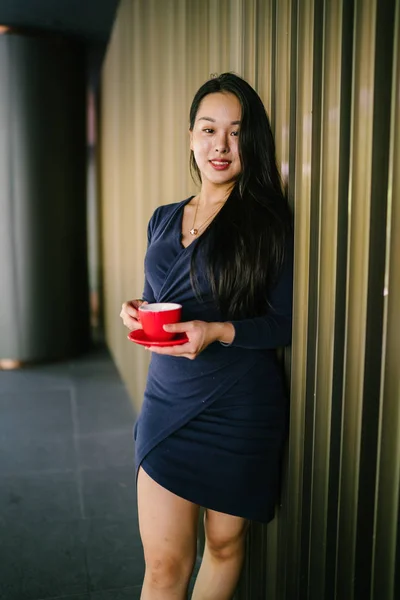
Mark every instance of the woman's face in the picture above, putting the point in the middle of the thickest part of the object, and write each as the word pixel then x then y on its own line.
pixel 214 138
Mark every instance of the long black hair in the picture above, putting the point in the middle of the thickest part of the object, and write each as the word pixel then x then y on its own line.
pixel 244 245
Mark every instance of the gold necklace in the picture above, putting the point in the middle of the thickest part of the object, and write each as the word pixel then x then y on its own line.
pixel 194 230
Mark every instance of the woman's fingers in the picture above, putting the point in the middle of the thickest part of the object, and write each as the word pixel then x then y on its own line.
pixel 196 333
pixel 125 310
pixel 130 309
pixel 174 351
pixel 131 324
pixel 190 349
pixel 129 314
pixel 180 327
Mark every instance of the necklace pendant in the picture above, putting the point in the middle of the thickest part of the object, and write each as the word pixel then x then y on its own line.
pixel 194 231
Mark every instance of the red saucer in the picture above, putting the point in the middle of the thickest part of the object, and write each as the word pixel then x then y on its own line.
pixel 139 337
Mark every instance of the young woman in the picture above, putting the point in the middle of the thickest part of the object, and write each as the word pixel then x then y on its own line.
pixel 211 429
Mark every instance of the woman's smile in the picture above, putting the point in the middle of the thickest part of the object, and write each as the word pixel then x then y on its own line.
pixel 220 165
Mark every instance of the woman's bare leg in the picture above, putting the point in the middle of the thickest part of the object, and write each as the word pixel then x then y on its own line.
pixel 168 528
pixel 223 556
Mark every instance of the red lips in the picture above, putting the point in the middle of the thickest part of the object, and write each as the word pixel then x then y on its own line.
pixel 220 165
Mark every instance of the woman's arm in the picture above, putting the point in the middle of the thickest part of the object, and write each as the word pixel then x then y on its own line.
pixel 273 329
pixel 269 331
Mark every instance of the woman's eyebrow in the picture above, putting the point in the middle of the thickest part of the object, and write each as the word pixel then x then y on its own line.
pixel 213 120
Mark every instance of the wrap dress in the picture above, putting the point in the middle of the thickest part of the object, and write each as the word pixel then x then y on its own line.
pixel 211 430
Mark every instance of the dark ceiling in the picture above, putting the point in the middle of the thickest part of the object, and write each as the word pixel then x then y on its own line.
pixel 88 20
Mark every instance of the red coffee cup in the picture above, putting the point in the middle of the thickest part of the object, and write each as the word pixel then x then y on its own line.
pixel 154 316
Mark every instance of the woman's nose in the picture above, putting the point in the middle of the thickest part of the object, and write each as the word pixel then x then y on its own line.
pixel 221 144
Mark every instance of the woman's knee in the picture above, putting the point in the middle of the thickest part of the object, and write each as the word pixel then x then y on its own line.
pixel 165 570
pixel 225 542
pixel 224 547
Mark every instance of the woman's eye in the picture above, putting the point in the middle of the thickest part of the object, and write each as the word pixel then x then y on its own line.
pixel 210 130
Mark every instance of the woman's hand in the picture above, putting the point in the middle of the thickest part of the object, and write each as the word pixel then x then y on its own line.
pixel 130 315
pixel 200 335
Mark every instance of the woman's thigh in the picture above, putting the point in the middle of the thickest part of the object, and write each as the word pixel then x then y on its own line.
pixel 167 523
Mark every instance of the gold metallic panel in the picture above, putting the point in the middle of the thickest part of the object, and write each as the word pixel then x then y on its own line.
pixel 386 533
pixel 370 139
pixel 282 71
pixel 357 283
pixel 264 64
pixel 249 33
pixel 329 74
pixel 331 212
pixel 301 384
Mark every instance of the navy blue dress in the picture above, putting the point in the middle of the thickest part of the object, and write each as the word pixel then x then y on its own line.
pixel 211 430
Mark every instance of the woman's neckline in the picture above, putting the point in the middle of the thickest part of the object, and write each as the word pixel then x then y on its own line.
pixel 181 224
pixel 196 237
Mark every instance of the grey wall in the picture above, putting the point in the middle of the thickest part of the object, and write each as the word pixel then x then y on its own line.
pixel 43 270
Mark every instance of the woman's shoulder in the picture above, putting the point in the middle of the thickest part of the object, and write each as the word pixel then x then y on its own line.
pixel 164 213
pixel 168 209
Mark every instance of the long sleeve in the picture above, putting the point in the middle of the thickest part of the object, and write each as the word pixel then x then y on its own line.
pixel 148 294
pixel 274 329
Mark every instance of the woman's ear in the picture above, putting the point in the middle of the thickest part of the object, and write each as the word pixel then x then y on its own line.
pixel 191 138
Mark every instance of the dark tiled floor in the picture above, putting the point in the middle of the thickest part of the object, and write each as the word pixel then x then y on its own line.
pixel 68 517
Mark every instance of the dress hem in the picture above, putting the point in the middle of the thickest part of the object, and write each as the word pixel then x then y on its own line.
pixel 159 479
